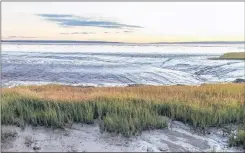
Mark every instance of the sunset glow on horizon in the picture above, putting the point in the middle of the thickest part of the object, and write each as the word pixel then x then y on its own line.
pixel 123 21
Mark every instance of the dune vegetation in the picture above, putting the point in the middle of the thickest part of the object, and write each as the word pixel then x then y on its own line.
pixel 125 110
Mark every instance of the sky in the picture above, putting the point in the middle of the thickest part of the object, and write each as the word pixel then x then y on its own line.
pixel 136 22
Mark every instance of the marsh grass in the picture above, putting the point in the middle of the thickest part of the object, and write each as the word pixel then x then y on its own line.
pixel 239 138
pixel 125 117
pixel 231 56
pixel 125 110
pixel 234 55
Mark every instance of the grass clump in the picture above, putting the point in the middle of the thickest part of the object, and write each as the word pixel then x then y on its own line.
pixel 239 138
pixel 125 117
pixel 132 125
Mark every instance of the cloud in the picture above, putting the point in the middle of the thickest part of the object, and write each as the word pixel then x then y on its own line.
pixel 127 31
pixel 10 37
pixel 55 15
pixel 76 21
pixel 77 33
pixel 88 33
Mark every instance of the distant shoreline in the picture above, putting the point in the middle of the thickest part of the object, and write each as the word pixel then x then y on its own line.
pixel 111 42
pixel 231 56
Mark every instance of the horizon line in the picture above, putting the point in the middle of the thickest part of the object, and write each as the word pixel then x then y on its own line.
pixel 99 41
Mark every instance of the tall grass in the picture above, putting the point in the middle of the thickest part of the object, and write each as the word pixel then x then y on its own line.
pixel 125 110
pixel 239 138
pixel 125 117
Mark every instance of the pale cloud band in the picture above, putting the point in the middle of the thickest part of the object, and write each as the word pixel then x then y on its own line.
pixel 20 37
pixel 77 33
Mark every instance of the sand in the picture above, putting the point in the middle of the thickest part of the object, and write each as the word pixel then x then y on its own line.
pixel 88 138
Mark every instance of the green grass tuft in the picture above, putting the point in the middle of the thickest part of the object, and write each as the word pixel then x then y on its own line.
pixel 239 138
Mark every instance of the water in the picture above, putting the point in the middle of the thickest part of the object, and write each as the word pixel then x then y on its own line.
pixel 118 65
